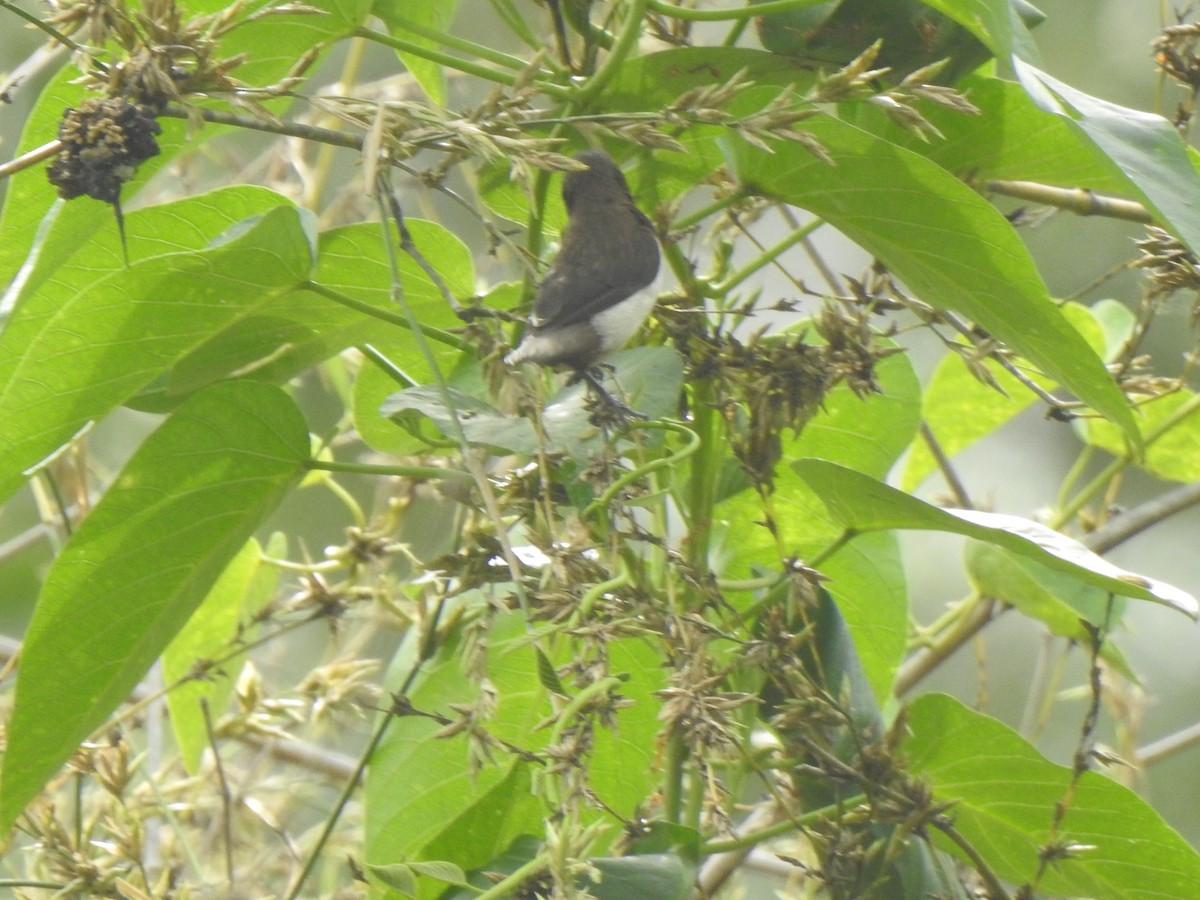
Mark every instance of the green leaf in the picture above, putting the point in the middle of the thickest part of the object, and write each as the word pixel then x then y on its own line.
pixel 482 424
pixel 1011 139
pixel 355 261
pixel 244 587
pixel 273 43
pixel 663 876
pixel 649 379
pixel 1004 794
pixel 408 368
pixel 961 410
pixel 912 35
pixel 416 434
pixel 186 225
pixel 948 244
pixel 547 676
pixel 867 433
pixel 624 765
pixel 289 332
pixel 442 871
pixel 140 564
pixel 1142 147
pixel 523 849
pixel 398 877
pixel 509 198
pixel 1174 453
pixel 1116 322
pixel 1000 24
pixel 1060 602
pixel 434 14
pixel 65 361
pixel 447 812
pixel 866 580
pixel 860 503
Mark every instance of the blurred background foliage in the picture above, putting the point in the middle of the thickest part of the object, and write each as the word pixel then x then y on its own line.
pixel 1105 53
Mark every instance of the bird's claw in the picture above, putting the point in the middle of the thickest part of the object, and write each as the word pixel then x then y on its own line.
pixel 606 409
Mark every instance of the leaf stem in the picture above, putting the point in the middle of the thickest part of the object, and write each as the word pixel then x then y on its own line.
pixel 32 158
pixel 767 257
pixel 454 42
pixel 286 129
pixel 786 826
pixel 631 31
pixel 424 473
pixel 384 315
pixel 508 886
pixel 1097 484
pixel 450 61
pixel 676 756
pixel 921 664
pixel 692 445
pixel 703 476
pixel 1168 746
pixel 683 223
pixel 724 15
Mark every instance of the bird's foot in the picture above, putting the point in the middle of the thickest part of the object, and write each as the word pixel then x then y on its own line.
pixel 606 410
pixel 475 312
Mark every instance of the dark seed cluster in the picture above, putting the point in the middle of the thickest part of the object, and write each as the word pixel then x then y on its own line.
pixel 104 141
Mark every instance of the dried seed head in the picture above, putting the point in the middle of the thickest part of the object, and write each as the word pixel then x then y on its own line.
pixel 1169 265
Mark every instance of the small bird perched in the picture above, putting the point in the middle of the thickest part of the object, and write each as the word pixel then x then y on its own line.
pixel 595 296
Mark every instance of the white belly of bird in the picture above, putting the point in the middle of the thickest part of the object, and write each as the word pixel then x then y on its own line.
pixel 617 324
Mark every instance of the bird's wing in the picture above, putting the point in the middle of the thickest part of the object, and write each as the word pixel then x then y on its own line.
pixel 578 286
pixel 571 294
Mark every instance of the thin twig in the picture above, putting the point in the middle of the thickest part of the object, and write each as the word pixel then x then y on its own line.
pixel 409 247
pixel 1168 746
pixel 32 158
pixel 720 866
pixel 925 661
pixel 1007 364
pixel 1131 523
pixel 946 827
pixel 288 129
pixel 1055 849
pixel 226 793
pixel 957 488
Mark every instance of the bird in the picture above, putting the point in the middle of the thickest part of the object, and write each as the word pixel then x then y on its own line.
pixel 598 291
